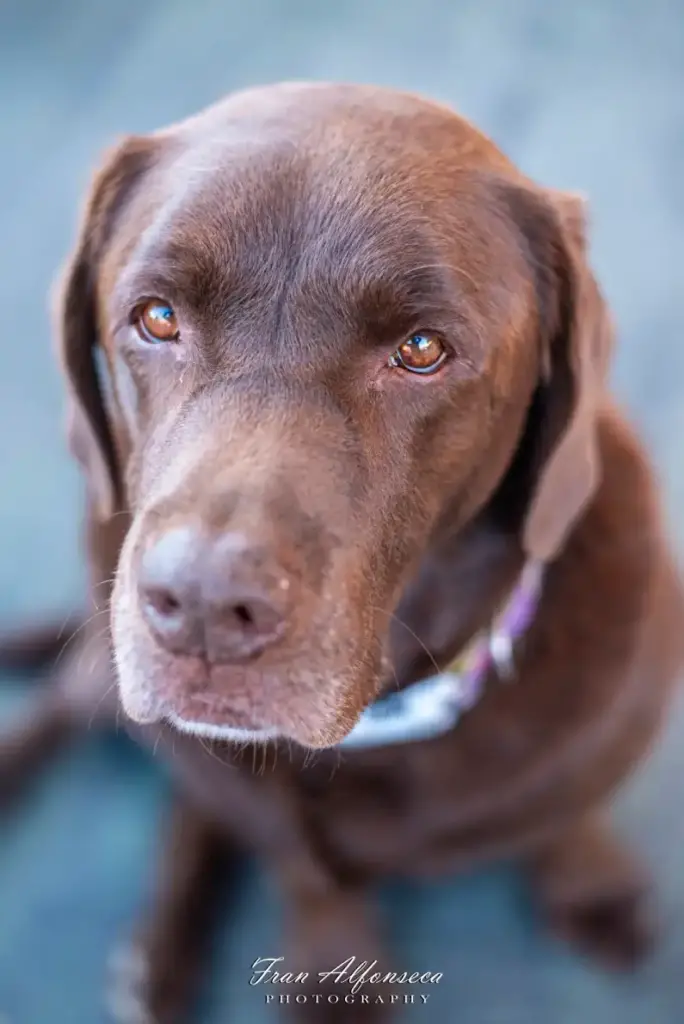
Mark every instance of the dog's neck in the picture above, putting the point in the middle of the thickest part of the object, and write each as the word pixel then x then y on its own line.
pixel 460 586
pixel 434 706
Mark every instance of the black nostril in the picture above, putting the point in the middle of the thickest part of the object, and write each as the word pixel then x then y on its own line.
pixel 169 580
pixel 241 630
pixel 163 602
pixel 173 618
pixel 243 614
pixel 256 617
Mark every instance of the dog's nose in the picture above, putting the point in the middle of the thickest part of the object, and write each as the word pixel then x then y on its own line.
pixel 213 597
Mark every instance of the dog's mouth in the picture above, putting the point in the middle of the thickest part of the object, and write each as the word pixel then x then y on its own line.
pixel 217 719
pixel 209 715
pixel 314 702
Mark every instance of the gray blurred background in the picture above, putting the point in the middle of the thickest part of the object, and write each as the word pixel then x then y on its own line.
pixel 586 95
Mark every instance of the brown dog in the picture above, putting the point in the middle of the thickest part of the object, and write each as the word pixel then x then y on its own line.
pixel 356 382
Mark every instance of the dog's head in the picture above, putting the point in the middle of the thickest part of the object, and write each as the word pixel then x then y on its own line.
pixel 333 319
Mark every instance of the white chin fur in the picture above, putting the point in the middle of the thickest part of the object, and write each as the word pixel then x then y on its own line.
pixel 220 732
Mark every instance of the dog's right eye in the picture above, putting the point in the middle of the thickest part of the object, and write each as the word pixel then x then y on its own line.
pixel 155 321
pixel 424 352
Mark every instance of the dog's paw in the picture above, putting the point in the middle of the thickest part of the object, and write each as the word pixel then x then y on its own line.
pixel 127 989
pixel 619 931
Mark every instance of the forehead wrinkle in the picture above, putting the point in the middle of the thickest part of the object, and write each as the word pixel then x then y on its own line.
pixel 357 251
pixel 155 265
pixel 391 277
pixel 226 235
pixel 210 196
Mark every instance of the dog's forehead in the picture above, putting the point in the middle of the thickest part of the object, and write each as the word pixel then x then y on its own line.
pixel 352 149
pixel 333 118
pixel 354 174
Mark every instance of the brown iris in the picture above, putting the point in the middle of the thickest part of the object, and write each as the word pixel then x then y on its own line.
pixel 156 321
pixel 423 352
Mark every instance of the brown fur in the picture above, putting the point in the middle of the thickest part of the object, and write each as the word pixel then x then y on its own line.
pixel 302 232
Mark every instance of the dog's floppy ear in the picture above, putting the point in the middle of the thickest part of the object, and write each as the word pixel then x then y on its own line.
pixel 77 329
pixel 575 337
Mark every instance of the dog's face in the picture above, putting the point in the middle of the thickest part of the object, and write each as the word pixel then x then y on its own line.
pixel 331 318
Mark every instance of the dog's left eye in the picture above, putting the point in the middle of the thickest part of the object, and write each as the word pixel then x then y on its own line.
pixel 155 322
pixel 423 352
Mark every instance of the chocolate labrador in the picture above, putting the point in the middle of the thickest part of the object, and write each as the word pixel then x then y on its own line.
pixel 386 568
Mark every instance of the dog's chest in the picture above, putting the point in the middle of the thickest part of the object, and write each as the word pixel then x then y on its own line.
pixel 412 813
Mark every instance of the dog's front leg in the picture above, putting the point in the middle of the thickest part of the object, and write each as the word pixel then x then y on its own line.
pixel 331 947
pixel 154 978
pixel 594 895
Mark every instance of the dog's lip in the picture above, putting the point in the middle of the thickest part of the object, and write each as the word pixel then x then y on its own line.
pixel 202 716
pixel 228 733
pixel 202 709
